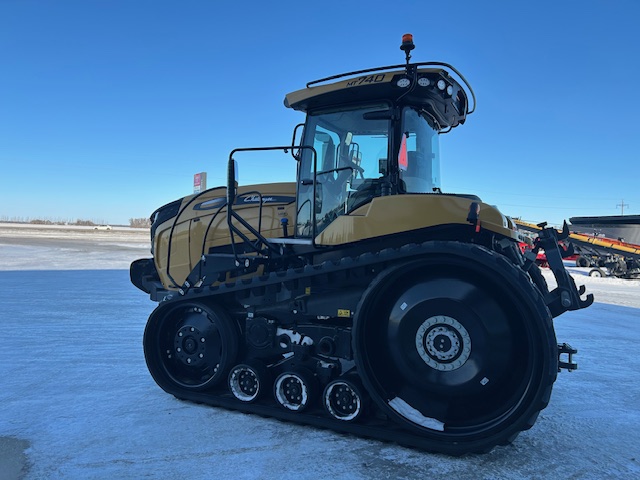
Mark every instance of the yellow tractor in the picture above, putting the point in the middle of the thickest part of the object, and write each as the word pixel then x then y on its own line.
pixel 361 298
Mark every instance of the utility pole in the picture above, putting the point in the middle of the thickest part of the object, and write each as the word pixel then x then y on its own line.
pixel 622 205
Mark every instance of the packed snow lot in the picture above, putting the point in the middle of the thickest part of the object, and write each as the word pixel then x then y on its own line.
pixel 53 247
pixel 75 390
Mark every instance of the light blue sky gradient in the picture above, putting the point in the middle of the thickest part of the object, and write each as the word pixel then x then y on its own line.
pixel 108 107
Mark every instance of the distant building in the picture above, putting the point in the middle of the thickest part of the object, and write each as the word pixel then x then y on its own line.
pixel 626 227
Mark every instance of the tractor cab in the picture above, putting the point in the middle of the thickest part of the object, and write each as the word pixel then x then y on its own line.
pixel 355 163
pixel 373 134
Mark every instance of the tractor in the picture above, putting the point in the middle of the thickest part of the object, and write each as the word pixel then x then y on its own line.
pixel 362 297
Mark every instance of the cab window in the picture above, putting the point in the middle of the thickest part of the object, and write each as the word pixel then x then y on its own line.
pixel 419 154
pixel 351 157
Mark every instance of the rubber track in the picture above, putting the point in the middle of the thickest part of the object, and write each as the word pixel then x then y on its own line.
pixel 378 259
pixel 374 426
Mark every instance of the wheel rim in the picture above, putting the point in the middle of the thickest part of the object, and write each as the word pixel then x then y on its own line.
pixel 293 390
pixel 244 383
pixel 190 346
pixel 247 380
pixel 343 400
pixel 452 355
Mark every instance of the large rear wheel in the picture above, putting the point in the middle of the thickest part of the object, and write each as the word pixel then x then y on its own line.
pixel 190 345
pixel 457 347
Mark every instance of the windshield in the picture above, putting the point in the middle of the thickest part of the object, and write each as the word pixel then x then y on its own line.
pixel 419 155
pixel 351 160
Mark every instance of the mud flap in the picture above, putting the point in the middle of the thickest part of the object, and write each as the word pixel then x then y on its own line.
pixel 566 296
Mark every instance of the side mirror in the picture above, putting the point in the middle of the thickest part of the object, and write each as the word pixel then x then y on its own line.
pixel 232 181
pixel 296 151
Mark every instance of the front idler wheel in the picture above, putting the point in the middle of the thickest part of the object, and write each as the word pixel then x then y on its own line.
pixel 295 390
pixel 190 346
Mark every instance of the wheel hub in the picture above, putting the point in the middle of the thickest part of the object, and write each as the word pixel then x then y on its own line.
pixel 443 343
pixel 292 390
pixel 189 345
pixel 248 383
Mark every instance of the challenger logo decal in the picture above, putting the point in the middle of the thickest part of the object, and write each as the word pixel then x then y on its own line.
pixel 246 199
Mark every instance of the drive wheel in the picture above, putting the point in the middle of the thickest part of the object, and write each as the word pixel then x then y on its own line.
pixel 189 346
pixel 457 347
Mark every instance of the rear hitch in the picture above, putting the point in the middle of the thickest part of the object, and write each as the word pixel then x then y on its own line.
pixel 566 296
pixel 569 364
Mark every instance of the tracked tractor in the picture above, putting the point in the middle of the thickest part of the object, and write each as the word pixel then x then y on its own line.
pixel 361 297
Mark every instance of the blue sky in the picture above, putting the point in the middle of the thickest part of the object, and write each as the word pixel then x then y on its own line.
pixel 108 107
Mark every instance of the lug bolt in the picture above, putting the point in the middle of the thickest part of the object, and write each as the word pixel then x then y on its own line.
pixel 188 360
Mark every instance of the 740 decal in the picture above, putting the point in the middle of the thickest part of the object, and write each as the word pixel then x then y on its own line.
pixel 366 79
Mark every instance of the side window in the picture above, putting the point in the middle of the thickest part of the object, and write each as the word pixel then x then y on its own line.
pixel 419 157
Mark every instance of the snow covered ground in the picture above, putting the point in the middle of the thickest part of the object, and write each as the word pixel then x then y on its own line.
pixel 75 391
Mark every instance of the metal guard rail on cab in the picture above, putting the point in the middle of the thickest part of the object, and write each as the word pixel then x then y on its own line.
pixel 394 67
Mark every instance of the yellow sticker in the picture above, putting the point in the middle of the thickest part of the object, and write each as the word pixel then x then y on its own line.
pixel 307 291
pixel 344 313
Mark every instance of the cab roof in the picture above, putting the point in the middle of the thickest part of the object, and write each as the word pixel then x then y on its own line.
pixel 422 85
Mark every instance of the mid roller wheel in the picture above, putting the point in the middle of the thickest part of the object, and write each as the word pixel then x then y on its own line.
pixel 295 390
pixel 249 380
pixel 345 399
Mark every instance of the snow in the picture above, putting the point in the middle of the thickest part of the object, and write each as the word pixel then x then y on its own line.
pixel 407 411
pixel 74 384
